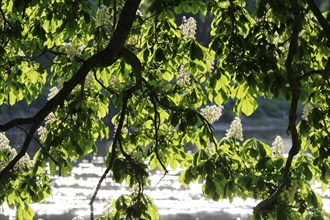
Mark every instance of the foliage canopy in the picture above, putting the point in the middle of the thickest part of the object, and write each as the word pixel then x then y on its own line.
pixel 169 89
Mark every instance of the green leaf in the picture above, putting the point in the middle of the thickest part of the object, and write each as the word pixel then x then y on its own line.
pixel 159 55
pixel 196 52
pixel 118 166
pixel 52 167
pixel 307 172
pixel 247 105
pixel 209 187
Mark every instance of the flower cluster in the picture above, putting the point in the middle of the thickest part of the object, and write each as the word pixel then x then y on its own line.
pixel 211 113
pixel 210 148
pixel 235 130
pixel 113 81
pixel 288 194
pixel 308 108
pixel 277 147
pixel 90 82
pixel 124 129
pixel 188 27
pixel 184 78
pixel 72 50
pixel 212 63
pixel 4 142
pixel 42 132
pixel 52 93
pixel 24 164
pixel 50 118
pixel 102 16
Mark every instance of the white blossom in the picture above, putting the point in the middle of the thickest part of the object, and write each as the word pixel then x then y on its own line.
pixel 102 16
pixel 277 147
pixel 211 62
pixel 12 153
pixel 90 82
pixel 4 142
pixel 21 53
pixel 212 113
pixel 184 78
pixel 23 164
pixel 287 194
pixel 42 132
pixel 50 118
pixel 113 81
pixel 71 50
pixel 78 218
pixel 124 129
pixel 188 27
pixel 52 93
pixel 235 130
pixel 210 148
pixel 308 108
pixel 3 164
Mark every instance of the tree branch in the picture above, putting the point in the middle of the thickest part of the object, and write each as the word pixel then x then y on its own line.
pixel 120 35
pixel 113 153
pixel 295 92
pixel 316 11
pixel 156 125
pixel 103 58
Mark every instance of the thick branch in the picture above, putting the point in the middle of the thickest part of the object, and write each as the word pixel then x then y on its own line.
pixel 295 92
pixel 124 26
pixel 101 59
pixel 316 11
pixel 132 60
pixel 16 122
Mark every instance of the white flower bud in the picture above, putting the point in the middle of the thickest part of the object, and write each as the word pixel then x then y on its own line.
pixel 188 27
pixel 42 132
pixel 4 142
pixel 24 164
pixel 184 78
pixel 52 93
pixel 73 50
pixel 278 147
pixel 50 118
pixel 212 113
pixel 235 130
pixel 102 16
pixel 308 108
pixel 113 81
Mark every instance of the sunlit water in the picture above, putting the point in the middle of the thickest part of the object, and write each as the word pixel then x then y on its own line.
pixel 71 195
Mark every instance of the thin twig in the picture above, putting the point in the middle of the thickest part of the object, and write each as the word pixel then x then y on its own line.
pixel 318 14
pixel 41 145
pixel 156 125
pixel 103 86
